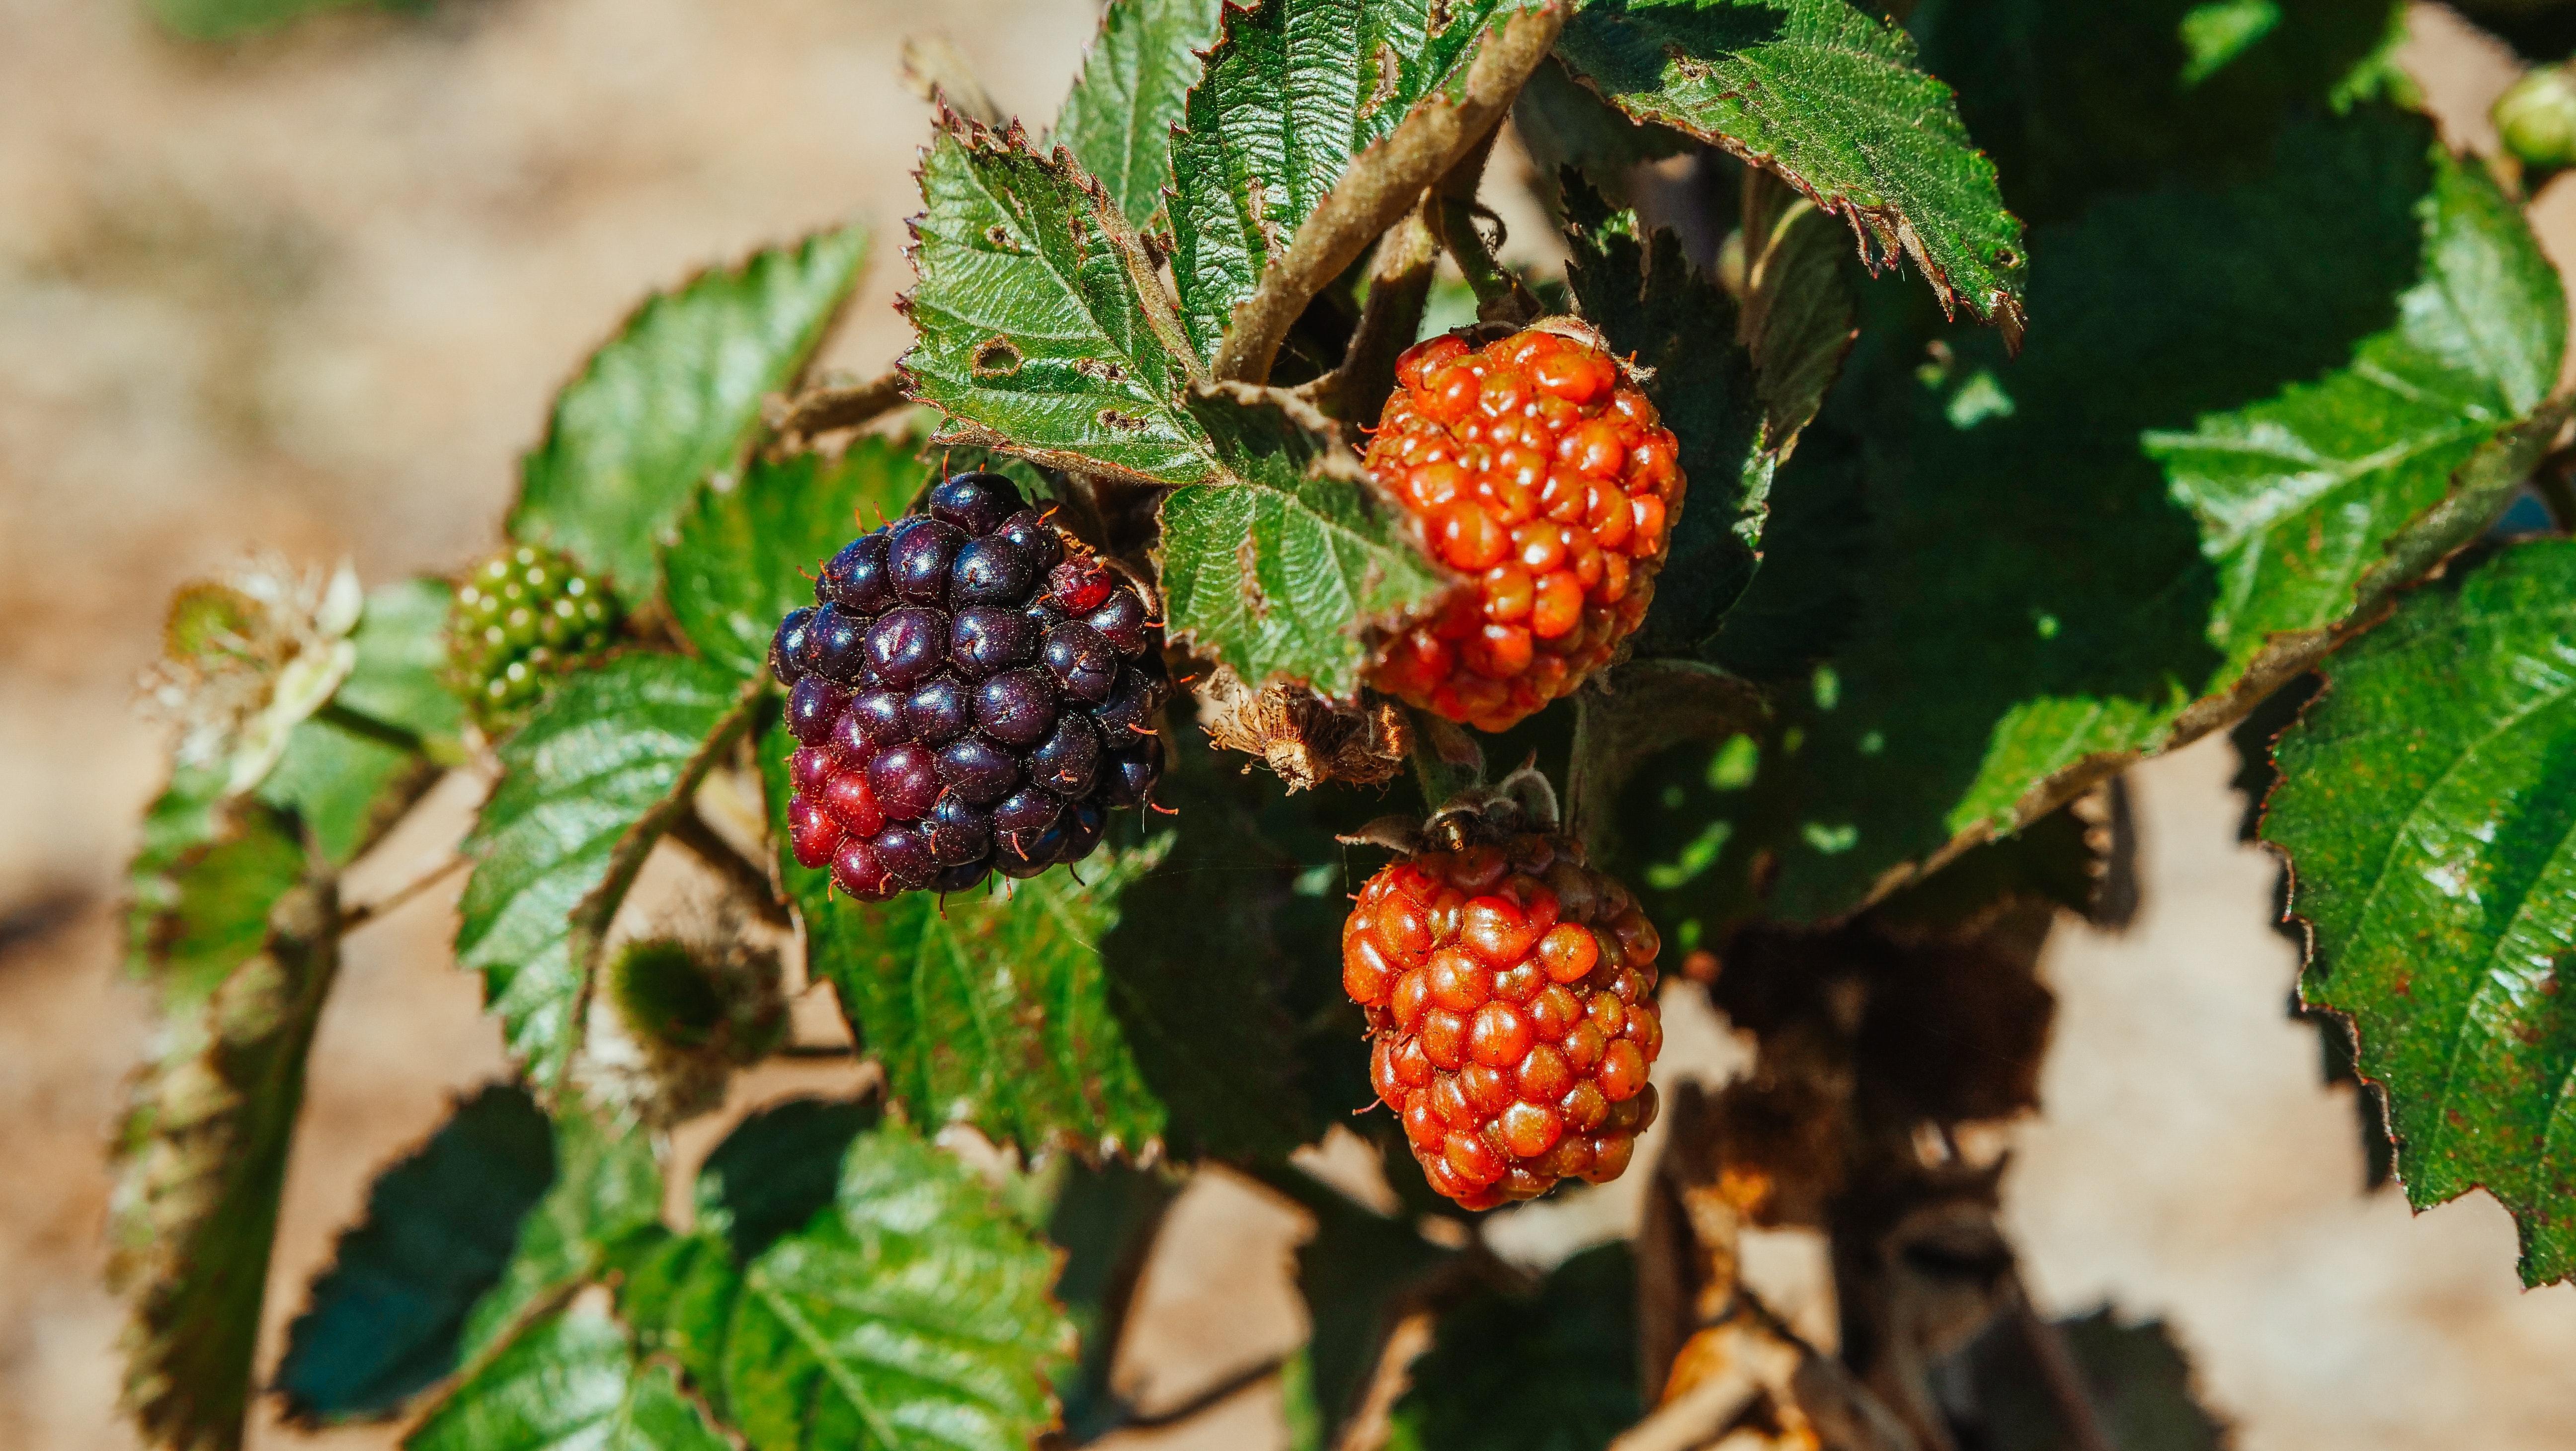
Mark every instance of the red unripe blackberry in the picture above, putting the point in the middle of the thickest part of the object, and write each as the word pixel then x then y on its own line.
pixel 970 692
pixel 1538 469
pixel 1510 993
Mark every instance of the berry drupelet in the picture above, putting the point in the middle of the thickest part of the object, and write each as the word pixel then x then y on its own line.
pixel 971 692
pixel 1540 472
pixel 1510 993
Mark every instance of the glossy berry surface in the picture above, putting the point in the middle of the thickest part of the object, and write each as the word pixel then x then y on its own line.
pixel 524 617
pixel 958 706
pixel 1510 993
pixel 1540 473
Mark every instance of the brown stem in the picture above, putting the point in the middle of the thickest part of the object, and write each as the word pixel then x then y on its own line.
pixel 1381 186
pixel 1197 1404
pixel 1399 286
pixel 830 409
pixel 691 832
pixel 366 912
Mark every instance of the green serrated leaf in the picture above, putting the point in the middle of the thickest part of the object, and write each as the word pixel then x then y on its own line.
pixel 1119 117
pixel 346 781
pixel 397 679
pixel 387 1319
pixel 1293 93
pixel 777 1169
pixel 588 785
pixel 676 1292
pixel 1553 1370
pixel 1286 569
pixel 2427 802
pixel 607 1190
pixel 745 555
pixel 202 1158
pixel 913 1316
pixel 1070 1011
pixel 2336 377
pixel 1043 329
pixel 569 1383
pixel 674 397
pixel 2076 102
pixel 1649 301
pixel 1830 98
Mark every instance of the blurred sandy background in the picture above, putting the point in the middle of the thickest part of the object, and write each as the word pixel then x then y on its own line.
pixel 312 293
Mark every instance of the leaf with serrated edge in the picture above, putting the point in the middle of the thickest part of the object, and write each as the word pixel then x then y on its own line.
pixel 1293 93
pixel 1118 119
pixel 2337 379
pixel 587 786
pixel 387 1319
pixel 606 1189
pixel 1287 569
pixel 569 1383
pixel 745 555
pixel 202 1157
pixel 674 397
pixel 2427 804
pixel 913 1315
pixel 1042 327
pixel 1829 98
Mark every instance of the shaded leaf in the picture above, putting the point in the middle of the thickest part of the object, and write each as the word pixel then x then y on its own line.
pixel 570 1383
pixel 2427 803
pixel 1359 1275
pixel 777 1170
pixel 2338 379
pixel 1109 1013
pixel 606 1192
pixel 1552 1370
pixel 346 783
pixel 746 555
pixel 674 397
pixel 1285 569
pixel 1105 1220
pixel 1561 122
pixel 914 1315
pixel 2075 102
pixel 202 1158
pixel 397 679
pixel 1119 117
pixel 1829 98
pixel 386 1320
pixel 1649 301
pixel 588 785
pixel 1293 93
pixel 2139 1381
pixel 1042 327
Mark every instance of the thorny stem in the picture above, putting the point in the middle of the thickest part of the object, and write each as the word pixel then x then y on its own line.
pixel 366 912
pixel 1383 184
pixel 829 409
pixel 1500 297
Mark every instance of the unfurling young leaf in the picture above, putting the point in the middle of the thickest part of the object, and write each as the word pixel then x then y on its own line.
pixel 2427 804
pixel 674 397
pixel 589 784
pixel 387 1319
pixel 1043 330
pixel 1828 97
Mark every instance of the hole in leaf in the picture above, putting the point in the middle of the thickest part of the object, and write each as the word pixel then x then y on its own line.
pixel 997 358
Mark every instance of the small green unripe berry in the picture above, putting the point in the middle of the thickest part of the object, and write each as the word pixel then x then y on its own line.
pixel 2536 119
pixel 521 618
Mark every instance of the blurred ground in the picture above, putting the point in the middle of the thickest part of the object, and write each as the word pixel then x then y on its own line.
pixel 311 294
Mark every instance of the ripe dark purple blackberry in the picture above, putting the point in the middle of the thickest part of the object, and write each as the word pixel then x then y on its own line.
pixel 972 692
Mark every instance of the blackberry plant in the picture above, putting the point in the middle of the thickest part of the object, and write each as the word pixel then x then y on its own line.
pixel 2013 393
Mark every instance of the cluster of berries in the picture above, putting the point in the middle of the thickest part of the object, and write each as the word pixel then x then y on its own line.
pixel 971 692
pixel 1539 471
pixel 520 618
pixel 1510 993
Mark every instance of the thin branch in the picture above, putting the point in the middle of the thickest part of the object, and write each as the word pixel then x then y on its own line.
pixel 1399 286
pixel 691 832
pixel 1382 185
pixel 829 409
pixel 2058 1373
pixel 1199 1404
pixel 817 1050
pixel 366 912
